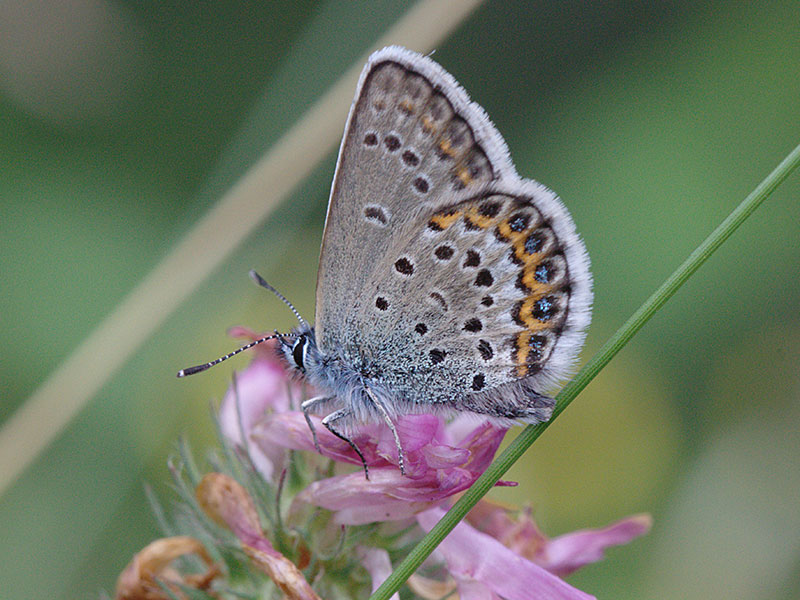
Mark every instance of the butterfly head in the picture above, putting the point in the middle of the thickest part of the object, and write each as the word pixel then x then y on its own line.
pixel 300 349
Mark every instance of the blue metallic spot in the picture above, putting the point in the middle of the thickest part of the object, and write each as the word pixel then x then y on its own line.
pixel 542 309
pixel 533 243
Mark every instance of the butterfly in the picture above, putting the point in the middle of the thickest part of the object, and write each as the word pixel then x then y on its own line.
pixel 447 283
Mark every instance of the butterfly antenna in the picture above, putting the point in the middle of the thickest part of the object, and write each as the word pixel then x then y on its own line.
pixel 208 365
pixel 260 281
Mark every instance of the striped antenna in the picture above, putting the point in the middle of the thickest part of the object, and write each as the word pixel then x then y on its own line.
pixel 262 282
pixel 208 365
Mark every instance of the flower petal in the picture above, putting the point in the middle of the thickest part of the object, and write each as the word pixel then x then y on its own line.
pixel 228 503
pixel 283 572
pixel 431 589
pixel 520 534
pixel 139 580
pixel 483 443
pixel 359 501
pixel 469 589
pixel 415 431
pixel 377 563
pixel 261 388
pixel 434 471
pixel 474 556
pixel 571 551
pixel 290 430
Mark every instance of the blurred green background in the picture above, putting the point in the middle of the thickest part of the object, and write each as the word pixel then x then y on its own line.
pixel 121 123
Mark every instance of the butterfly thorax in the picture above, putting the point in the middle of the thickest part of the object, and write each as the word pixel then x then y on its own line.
pixel 344 379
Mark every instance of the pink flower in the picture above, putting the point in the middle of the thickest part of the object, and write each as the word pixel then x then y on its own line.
pixel 441 460
pixel 437 466
pixel 562 555
pixel 480 561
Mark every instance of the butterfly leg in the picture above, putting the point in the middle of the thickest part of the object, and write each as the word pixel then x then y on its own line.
pixel 382 409
pixel 338 416
pixel 314 405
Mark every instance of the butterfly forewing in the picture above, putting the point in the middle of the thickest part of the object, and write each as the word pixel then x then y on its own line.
pixel 405 151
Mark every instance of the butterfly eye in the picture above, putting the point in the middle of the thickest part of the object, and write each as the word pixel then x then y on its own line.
pixel 299 352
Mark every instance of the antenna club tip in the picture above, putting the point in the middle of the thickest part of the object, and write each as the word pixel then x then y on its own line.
pixel 192 370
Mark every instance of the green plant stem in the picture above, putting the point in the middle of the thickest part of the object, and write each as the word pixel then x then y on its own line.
pixel 531 433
